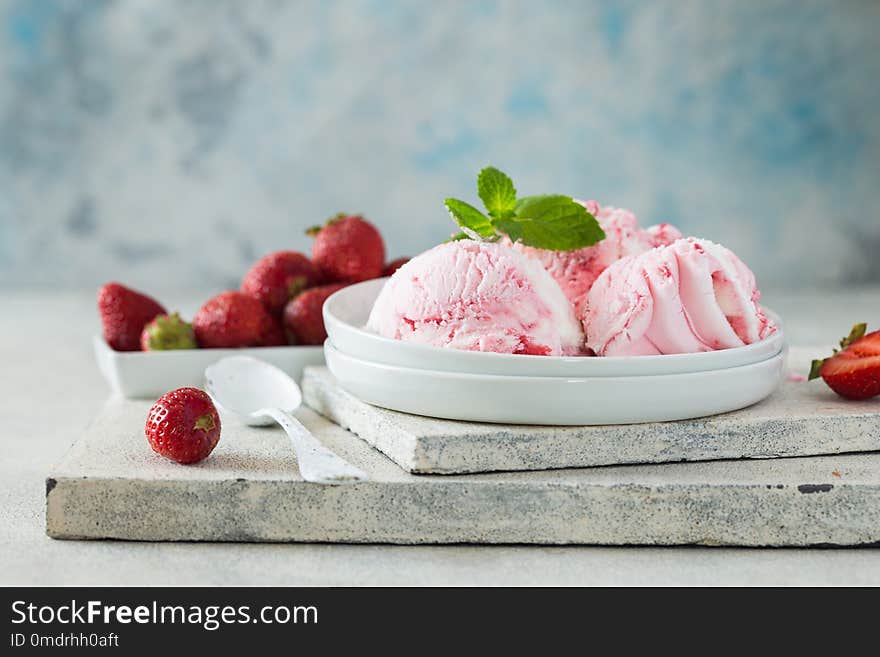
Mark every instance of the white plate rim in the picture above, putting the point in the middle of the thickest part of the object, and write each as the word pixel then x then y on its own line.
pixel 538 380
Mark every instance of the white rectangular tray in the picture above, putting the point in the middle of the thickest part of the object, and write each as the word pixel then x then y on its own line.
pixel 149 374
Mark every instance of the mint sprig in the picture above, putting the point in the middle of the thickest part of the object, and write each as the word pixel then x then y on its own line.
pixel 497 192
pixel 556 223
pixel 549 221
pixel 472 221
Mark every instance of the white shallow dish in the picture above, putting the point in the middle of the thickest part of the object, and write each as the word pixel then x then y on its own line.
pixel 346 313
pixel 555 400
pixel 149 374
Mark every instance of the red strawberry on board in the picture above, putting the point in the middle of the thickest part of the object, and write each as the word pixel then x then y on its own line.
pixel 302 316
pixel 124 313
pixel 854 369
pixel 394 265
pixel 348 249
pixel 233 319
pixel 183 425
pixel 276 278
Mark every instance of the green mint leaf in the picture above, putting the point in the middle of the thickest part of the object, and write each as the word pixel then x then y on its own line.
pixel 552 222
pixel 531 207
pixel 471 220
pixel 528 201
pixel 458 237
pixel 497 192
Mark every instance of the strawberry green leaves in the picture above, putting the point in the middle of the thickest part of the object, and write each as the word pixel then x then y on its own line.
pixel 856 334
pixel 550 221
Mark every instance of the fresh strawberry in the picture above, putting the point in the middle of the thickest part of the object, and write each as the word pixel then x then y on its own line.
pixel 302 316
pixel 233 319
pixel 854 370
pixel 278 277
pixel 348 249
pixel 168 332
pixel 273 333
pixel 124 312
pixel 183 425
pixel 394 265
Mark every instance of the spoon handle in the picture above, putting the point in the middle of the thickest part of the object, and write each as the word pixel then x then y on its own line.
pixel 316 463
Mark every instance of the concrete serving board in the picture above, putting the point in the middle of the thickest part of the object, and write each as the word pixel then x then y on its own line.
pixel 111 486
pixel 799 419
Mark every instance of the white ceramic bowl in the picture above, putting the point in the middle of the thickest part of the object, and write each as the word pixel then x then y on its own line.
pixel 149 374
pixel 346 312
pixel 555 400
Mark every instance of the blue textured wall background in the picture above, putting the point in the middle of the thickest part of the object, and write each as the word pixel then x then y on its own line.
pixel 170 143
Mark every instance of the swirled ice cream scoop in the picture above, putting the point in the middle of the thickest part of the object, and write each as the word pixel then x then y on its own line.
pixel 692 295
pixel 576 271
pixel 477 296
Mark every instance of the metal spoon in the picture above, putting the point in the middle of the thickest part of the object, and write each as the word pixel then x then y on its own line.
pixel 260 393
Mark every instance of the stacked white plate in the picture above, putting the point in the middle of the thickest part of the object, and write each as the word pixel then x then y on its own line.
pixel 518 389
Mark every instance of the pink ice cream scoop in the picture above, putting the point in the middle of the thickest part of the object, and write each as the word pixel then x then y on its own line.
pixel 477 296
pixel 690 296
pixel 663 234
pixel 575 271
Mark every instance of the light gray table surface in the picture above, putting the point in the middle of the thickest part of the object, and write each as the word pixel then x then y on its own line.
pixel 50 388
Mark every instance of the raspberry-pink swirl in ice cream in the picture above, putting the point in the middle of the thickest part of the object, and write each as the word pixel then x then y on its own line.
pixel 693 295
pixel 575 271
pixel 477 296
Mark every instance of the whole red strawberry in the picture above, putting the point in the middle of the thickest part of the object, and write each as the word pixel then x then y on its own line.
pixel 394 265
pixel 233 319
pixel 276 278
pixel 167 332
pixel 273 334
pixel 302 316
pixel 183 425
pixel 854 370
pixel 124 313
pixel 348 249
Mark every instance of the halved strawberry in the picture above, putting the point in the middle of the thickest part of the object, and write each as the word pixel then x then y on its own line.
pixel 854 370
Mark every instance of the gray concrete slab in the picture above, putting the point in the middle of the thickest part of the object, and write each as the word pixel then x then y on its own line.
pixel 111 485
pixel 800 419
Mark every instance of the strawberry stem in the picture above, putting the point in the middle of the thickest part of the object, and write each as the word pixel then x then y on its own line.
pixel 204 422
pixel 858 331
pixel 297 285
pixel 856 334
pixel 339 216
